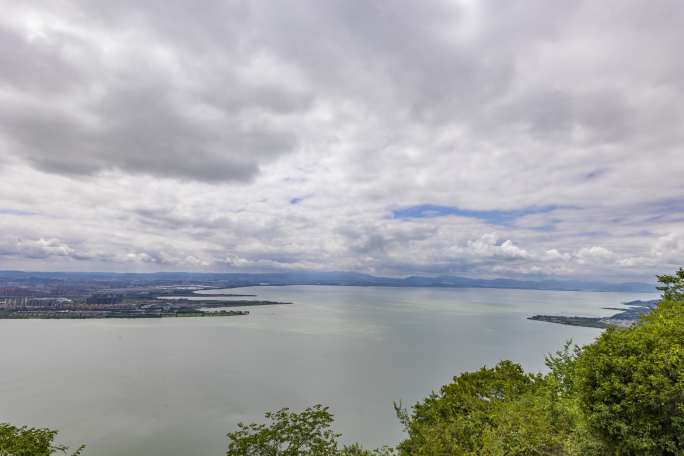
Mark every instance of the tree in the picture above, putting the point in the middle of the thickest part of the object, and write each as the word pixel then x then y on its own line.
pixel 631 383
pixel 468 415
pixel 356 450
pixel 288 434
pixel 672 286
pixel 25 441
pixel 308 433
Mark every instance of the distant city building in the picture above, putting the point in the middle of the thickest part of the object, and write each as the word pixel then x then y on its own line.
pixel 102 298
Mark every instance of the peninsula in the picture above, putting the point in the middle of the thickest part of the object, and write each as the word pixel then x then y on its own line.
pixel 625 318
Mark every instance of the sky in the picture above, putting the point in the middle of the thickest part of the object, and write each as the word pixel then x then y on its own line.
pixel 474 138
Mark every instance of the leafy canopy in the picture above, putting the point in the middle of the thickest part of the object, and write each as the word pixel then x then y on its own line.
pixel 672 286
pixel 25 441
pixel 307 433
pixel 631 385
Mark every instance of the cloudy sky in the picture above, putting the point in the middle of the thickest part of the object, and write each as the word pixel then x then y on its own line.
pixel 475 138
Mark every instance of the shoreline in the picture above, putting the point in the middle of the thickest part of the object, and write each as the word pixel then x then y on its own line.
pixel 626 318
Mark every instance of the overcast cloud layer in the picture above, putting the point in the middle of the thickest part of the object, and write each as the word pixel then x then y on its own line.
pixel 527 138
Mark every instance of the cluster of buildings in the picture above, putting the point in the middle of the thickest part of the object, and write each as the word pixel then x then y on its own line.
pixel 25 302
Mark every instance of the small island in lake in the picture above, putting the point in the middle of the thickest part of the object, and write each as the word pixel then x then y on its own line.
pixel 625 318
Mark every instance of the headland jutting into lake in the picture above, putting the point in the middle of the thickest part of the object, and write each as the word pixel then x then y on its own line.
pixel 626 317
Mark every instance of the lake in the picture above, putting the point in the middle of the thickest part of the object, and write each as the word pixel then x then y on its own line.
pixel 175 387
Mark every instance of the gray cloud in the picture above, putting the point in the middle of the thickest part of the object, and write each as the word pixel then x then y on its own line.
pixel 74 107
pixel 160 134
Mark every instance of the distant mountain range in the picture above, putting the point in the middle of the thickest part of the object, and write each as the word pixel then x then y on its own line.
pixel 315 278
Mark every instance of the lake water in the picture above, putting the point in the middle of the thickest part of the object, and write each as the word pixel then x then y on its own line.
pixel 175 387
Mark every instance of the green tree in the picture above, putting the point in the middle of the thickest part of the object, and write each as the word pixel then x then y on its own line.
pixel 562 404
pixel 631 384
pixel 469 415
pixel 288 434
pixel 356 450
pixel 307 433
pixel 672 286
pixel 534 424
pixel 26 441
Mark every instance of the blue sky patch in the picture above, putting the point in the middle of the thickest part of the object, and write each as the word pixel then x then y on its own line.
pixel 9 211
pixel 495 217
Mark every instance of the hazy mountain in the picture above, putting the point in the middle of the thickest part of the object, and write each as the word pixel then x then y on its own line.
pixel 318 278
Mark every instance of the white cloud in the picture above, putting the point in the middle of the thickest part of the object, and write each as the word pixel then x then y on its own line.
pixel 670 247
pixel 554 254
pixel 594 254
pixel 512 250
pixel 36 248
pixel 185 153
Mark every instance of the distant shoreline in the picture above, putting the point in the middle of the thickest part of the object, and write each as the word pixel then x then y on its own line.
pixel 241 280
pixel 445 287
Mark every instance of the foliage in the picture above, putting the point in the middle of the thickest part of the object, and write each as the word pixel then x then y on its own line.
pixel 631 385
pixel 672 286
pixel 307 433
pixel 288 434
pixel 356 450
pixel 25 441
pixel 563 368
pixel 501 411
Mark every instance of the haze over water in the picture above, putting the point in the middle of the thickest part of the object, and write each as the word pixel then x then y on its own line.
pixel 175 387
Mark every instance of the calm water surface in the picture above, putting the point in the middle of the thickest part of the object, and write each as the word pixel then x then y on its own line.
pixel 175 387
